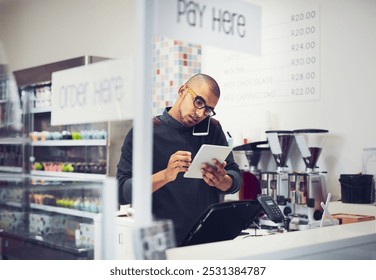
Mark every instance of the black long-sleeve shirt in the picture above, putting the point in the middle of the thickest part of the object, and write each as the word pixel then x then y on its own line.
pixel 184 199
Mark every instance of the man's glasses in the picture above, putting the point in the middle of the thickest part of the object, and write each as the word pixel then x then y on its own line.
pixel 200 103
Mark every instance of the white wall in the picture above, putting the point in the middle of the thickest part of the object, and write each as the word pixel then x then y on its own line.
pixel 346 106
pixel 42 31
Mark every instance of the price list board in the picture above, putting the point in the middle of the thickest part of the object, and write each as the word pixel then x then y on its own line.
pixel 288 68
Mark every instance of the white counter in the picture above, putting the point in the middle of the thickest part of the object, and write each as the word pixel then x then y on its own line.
pixel 350 241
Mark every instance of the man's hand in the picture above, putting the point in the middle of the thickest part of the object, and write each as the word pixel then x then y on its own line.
pixel 215 175
pixel 179 162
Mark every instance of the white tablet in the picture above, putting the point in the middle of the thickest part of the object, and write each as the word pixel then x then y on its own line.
pixel 205 155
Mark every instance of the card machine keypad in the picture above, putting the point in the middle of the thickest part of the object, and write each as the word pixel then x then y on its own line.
pixel 271 208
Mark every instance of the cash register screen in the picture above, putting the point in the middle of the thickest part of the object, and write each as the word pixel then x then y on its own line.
pixel 222 221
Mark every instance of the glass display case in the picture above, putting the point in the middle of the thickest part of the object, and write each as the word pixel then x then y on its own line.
pixel 74 151
pixel 67 150
pixel 52 177
pixel 11 140
pixel 48 219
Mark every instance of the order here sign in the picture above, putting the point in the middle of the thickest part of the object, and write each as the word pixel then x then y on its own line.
pixel 93 93
pixel 233 25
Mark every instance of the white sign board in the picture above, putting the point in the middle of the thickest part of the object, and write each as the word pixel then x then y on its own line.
pixel 288 69
pixel 233 25
pixel 93 93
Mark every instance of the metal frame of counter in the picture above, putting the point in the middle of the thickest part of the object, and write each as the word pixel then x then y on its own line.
pixel 347 241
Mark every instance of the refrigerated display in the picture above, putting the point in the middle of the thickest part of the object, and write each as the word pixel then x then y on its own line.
pixel 48 219
pixel 73 151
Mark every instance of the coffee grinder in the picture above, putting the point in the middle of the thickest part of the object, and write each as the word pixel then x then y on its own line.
pixel 251 174
pixel 275 183
pixel 308 189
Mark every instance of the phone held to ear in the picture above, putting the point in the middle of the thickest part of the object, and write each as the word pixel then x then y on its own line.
pixel 202 128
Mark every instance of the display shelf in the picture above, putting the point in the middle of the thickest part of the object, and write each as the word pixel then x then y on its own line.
pixel 12 169
pixel 12 141
pixel 22 246
pixel 35 87
pixel 89 142
pixel 65 211
pixel 40 110
pixel 72 175
pixel 34 227
pixel 12 177
pixel 33 222
pixel 11 154
pixel 12 204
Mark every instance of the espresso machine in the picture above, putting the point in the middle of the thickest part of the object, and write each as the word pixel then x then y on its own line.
pixel 275 183
pixel 250 172
pixel 306 190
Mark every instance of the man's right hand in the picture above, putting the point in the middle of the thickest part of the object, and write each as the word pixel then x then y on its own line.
pixel 178 162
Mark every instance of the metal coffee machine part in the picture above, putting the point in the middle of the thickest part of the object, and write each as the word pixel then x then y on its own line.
pixel 369 167
pixel 308 189
pixel 251 174
pixel 275 183
pixel 269 184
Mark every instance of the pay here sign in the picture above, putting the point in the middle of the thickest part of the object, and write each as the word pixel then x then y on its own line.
pixel 233 25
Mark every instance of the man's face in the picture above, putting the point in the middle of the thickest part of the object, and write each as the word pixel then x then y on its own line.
pixel 200 95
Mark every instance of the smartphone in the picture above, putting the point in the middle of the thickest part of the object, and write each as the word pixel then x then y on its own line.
pixel 202 128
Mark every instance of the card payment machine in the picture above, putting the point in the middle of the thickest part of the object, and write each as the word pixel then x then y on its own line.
pixel 271 208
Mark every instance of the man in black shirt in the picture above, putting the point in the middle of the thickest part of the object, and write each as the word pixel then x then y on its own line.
pixel 174 197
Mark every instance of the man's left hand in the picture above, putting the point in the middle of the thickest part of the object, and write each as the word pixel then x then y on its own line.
pixel 214 174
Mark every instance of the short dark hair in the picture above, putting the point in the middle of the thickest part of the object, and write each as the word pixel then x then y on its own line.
pixel 213 85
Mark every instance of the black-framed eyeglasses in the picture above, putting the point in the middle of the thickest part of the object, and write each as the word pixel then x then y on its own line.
pixel 200 103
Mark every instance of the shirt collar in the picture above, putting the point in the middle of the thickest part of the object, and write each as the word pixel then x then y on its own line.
pixel 168 119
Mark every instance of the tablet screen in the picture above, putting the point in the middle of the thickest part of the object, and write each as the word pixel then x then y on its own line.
pixel 205 155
